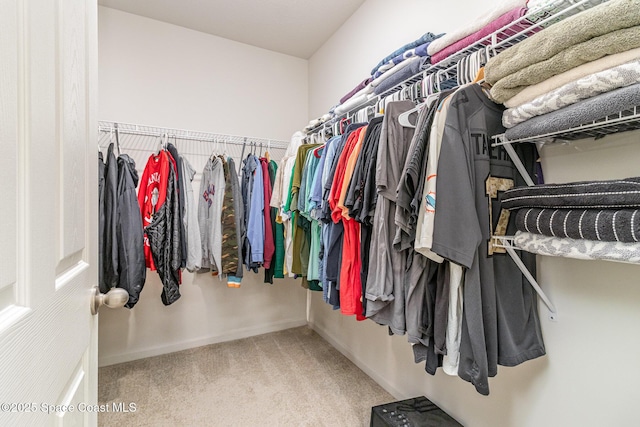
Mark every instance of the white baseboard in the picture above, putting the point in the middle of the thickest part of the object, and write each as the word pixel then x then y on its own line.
pixel 395 392
pixel 184 345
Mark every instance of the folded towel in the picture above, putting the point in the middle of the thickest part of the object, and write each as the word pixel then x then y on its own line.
pixel 597 21
pixel 595 48
pixel 610 194
pixel 402 75
pixel 426 37
pixel 355 90
pixel 475 25
pixel 586 87
pixel 360 98
pixel 609 225
pixel 582 112
pixel 606 62
pixel 577 248
pixel 483 32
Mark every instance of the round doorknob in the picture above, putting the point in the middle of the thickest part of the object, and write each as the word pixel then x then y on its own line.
pixel 115 298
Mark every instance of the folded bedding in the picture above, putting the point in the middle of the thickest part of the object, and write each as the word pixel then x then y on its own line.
pixel 582 112
pixel 475 25
pixel 575 55
pixel 411 53
pixel 426 37
pixel 532 92
pixel 577 248
pixel 482 33
pixel 355 90
pixel 586 87
pixel 402 75
pixel 592 23
pixel 610 194
pixel 609 225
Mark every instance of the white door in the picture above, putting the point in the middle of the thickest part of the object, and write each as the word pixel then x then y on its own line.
pixel 48 212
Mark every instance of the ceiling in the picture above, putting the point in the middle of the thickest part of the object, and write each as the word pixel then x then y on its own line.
pixel 292 27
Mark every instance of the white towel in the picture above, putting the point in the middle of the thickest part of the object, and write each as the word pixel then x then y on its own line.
pixel 471 27
pixel 578 248
pixel 552 83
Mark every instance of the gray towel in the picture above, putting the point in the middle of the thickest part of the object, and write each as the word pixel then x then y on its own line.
pixel 608 225
pixel 602 19
pixel 577 248
pixel 583 88
pixel 580 113
pixel 620 193
pixel 574 56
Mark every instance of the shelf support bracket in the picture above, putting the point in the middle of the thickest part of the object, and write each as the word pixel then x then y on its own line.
pixel 502 140
pixel 505 242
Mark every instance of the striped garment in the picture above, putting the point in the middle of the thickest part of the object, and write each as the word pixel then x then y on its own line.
pixel 621 193
pixel 607 225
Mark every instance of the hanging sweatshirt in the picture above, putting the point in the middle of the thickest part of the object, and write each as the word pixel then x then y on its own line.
pixel 209 214
pixel 152 194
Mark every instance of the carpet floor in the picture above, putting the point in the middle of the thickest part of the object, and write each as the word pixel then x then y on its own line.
pixel 287 378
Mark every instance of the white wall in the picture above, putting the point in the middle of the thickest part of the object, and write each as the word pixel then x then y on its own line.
pixel 163 75
pixel 590 374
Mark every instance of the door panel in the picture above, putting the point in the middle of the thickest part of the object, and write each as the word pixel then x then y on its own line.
pixel 48 229
pixel 9 157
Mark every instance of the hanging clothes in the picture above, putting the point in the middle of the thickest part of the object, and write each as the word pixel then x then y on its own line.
pixel 229 255
pixel 190 219
pixel 121 245
pixel 209 214
pixel 234 279
pixel 181 201
pixel 132 271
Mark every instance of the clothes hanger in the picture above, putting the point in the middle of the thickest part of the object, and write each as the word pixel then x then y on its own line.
pixel 115 125
pixel 266 153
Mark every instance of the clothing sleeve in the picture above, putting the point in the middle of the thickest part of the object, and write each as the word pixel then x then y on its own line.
pixel 456 233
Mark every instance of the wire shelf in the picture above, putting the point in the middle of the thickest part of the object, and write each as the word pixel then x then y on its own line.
pixel 535 20
pixel 139 141
pixel 622 121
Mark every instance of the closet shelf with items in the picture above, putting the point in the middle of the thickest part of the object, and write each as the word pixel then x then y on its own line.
pixel 580 79
pixel 458 63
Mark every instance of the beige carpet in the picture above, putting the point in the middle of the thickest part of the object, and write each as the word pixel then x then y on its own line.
pixel 286 378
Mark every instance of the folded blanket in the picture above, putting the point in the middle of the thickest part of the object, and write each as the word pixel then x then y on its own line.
pixel 355 90
pixel 595 48
pixel 402 75
pixel 418 51
pixel 577 248
pixel 426 37
pixel 394 70
pixel 475 25
pixel 602 19
pixel 582 112
pixel 532 92
pixel 610 194
pixel 483 32
pixel 609 225
pixel 361 97
pixel 586 87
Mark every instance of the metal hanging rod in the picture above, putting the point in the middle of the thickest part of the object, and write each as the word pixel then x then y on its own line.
pixel 186 135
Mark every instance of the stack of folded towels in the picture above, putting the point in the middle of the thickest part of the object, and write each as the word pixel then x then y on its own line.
pixel 578 70
pixel 585 220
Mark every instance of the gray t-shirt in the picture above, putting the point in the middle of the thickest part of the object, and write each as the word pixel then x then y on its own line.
pixel 500 322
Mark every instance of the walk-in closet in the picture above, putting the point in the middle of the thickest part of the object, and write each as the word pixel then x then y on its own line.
pixel 340 213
